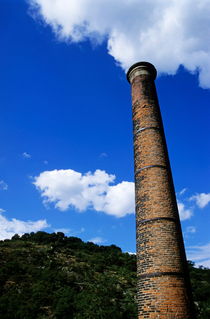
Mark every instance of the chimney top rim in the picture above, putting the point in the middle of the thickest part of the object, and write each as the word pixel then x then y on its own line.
pixel 150 67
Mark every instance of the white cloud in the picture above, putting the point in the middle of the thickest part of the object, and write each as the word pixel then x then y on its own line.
pixel 202 199
pixel 68 188
pixel 69 231
pixel 3 186
pixel 26 155
pixel 97 240
pixel 199 254
pixel 183 191
pixel 184 213
pixel 165 33
pixel 204 263
pixel 9 228
pixel 62 230
pixel 131 253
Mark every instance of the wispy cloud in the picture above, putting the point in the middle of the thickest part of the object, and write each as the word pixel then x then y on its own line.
pixel 8 228
pixel 26 155
pixel 69 231
pixel 97 240
pixel 200 254
pixel 184 213
pixel 62 230
pixel 204 263
pixel 71 189
pixel 182 192
pixel 3 186
pixel 191 229
pixel 103 155
pixel 202 199
pixel 135 29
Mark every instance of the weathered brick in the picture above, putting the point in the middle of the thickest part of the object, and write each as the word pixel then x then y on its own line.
pixel 163 289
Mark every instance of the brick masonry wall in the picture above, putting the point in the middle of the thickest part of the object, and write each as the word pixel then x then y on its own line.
pixel 163 282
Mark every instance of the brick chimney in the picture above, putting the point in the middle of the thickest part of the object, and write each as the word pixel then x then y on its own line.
pixel 163 286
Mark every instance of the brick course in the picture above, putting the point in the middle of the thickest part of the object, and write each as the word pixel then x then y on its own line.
pixel 163 282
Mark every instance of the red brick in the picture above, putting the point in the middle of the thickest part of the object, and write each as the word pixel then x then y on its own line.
pixel 163 289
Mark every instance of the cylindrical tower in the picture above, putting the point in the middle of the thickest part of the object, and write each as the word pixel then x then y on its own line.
pixel 163 288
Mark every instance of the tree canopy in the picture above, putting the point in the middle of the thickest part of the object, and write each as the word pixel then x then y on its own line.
pixel 52 276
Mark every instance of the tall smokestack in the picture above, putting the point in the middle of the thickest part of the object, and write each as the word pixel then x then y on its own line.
pixel 163 287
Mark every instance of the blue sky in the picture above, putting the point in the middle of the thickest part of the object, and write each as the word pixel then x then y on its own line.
pixel 66 112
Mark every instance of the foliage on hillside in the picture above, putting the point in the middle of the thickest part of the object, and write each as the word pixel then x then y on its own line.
pixel 200 281
pixel 51 276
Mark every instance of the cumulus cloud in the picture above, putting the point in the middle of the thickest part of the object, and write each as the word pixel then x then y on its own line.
pixel 3 185
pixel 165 33
pixel 202 199
pixel 9 228
pixel 200 254
pixel 68 188
pixel 184 213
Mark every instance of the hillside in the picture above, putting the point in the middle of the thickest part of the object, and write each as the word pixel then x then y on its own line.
pixel 51 276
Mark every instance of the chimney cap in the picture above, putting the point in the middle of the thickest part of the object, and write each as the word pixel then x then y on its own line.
pixel 145 65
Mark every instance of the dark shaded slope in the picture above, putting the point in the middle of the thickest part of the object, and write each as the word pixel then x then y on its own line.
pixel 51 276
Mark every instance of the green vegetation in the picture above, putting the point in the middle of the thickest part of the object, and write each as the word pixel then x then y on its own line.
pixel 200 281
pixel 51 276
